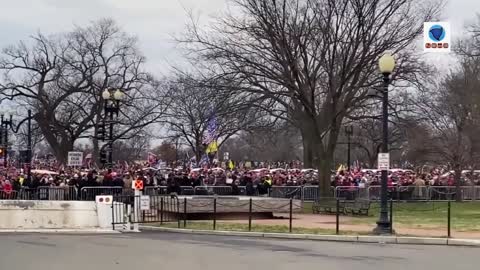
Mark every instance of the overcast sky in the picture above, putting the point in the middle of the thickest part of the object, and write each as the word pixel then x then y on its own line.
pixel 152 21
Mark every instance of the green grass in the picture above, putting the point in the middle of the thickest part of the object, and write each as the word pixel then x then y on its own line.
pixel 227 226
pixel 307 207
pixel 465 216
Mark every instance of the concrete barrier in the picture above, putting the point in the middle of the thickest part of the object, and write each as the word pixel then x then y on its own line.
pixel 238 204
pixel 18 214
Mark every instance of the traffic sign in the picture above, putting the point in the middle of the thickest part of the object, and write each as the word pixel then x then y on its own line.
pixel 383 161
pixel 145 202
pixel 75 158
pixel 137 184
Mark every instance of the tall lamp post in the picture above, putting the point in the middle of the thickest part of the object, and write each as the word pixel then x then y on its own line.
pixel 386 65
pixel 111 107
pixel 349 133
pixel 6 124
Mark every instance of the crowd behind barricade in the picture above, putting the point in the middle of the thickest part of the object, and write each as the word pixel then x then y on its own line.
pixel 401 177
pixel 253 181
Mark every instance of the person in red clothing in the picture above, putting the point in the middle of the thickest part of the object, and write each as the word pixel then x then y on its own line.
pixel 7 190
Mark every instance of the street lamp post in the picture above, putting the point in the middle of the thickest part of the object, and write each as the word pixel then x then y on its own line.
pixel 386 65
pixel 111 106
pixel 29 146
pixel 6 124
pixel 349 133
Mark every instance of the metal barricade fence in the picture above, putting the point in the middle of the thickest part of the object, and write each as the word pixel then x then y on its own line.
pixel 294 192
pixel 187 190
pixel 349 193
pixel 442 193
pixel 28 194
pixel 66 193
pixel 304 193
pixel 89 193
pixel 242 190
pixel 213 190
pixel 410 193
pixel 476 191
pixel 374 193
pixel 468 193
pixel 155 190
pixel 221 190
pixel 8 195
pixel 310 193
pixel 201 191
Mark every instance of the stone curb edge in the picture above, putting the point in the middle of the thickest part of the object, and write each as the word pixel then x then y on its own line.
pixel 333 238
pixel 66 231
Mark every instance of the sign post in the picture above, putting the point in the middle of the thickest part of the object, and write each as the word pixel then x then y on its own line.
pixel 137 185
pixel 383 161
pixel 75 159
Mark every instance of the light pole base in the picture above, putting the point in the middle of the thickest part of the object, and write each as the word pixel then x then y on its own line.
pixel 383 228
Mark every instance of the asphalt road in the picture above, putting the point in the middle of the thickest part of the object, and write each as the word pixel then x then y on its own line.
pixel 198 252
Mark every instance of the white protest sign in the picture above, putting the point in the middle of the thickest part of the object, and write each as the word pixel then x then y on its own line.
pixel 75 158
pixel 383 161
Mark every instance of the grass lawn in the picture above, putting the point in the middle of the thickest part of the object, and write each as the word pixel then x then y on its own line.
pixel 465 216
pixel 221 226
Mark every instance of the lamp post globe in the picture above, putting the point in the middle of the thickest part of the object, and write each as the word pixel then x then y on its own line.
pixel 386 63
pixel 106 94
pixel 118 95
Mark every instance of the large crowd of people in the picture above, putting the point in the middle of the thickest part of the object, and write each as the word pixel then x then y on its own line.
pixel 257 180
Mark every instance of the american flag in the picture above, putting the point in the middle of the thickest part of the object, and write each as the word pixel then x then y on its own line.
pixel 211 134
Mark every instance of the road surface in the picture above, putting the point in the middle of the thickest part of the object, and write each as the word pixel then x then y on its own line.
pixel 202 252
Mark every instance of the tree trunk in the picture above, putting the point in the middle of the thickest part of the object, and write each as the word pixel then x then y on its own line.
pixel 458 184
pixel 95 150
pixel 371 161
pixel 319 155
pixel 307 151
pixel 324 166
pixel 307 148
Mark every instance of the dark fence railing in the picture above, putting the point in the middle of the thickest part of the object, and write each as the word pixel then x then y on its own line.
pixel 161 209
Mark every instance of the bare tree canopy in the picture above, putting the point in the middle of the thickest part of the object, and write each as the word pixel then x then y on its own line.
pixel 315 59
pixel 61 78
pixel 194 102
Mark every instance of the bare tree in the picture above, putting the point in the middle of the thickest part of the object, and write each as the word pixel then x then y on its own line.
pixel 61 79
pixel 452 114
pixel 167 151
pixel 134 148
pixel 36 135
pixel 194 103
pixel 278 143
pixel 315 59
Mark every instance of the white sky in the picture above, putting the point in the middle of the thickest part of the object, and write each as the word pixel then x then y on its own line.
pixel 152 21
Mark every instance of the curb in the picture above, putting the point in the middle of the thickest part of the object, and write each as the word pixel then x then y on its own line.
pixel 329 238
pixel 65 231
